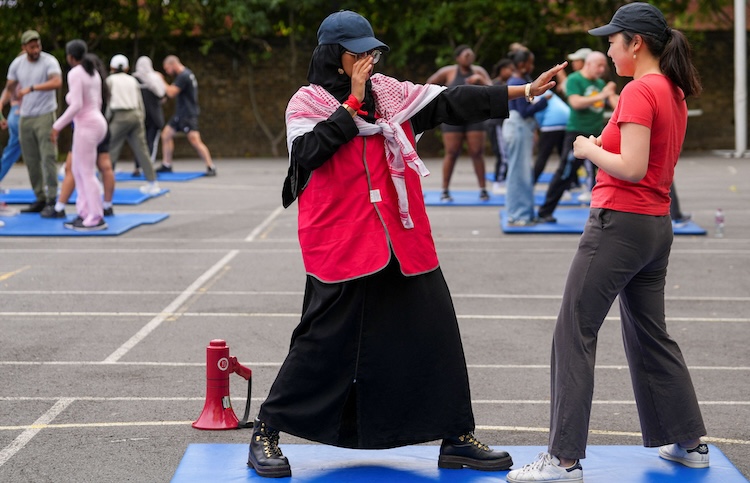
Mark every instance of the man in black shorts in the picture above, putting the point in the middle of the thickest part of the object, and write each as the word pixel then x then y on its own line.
pixel 185 90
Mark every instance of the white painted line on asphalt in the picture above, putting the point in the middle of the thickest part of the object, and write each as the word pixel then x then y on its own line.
pixel 278 364
pixel 680 298
pixel 36 427
pixel 529 402
pixel 166 314
pixel 95 425
pixel 604 432
pixel 30 431
pixel 260 228
pixel 170 309
pixel 599 402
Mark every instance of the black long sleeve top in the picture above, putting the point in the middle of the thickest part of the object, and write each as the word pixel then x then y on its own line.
pixel 456 105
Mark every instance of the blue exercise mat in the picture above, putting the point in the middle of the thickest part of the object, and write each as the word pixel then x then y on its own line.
pixel 31 224
pixel 174 176
pixel 127 196
pixel 572 220
pixel 418 464
pixel 544 178
pixel 121 196
pixel 471 198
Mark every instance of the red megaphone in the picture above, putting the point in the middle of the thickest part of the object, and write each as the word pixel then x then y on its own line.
pixel 217 410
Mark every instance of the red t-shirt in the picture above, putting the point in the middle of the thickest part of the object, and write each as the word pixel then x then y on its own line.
pixel 655 102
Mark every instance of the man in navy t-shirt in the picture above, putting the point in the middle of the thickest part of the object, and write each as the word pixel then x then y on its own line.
pixel 185 119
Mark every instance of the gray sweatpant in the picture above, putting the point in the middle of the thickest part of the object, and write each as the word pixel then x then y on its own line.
pixel 40 155
pixel 128 126
pixel 621 254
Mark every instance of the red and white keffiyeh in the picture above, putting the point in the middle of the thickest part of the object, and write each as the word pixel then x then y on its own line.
pixel 395 102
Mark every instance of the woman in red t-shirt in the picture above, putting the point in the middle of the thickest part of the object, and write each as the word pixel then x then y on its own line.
pixel 624 251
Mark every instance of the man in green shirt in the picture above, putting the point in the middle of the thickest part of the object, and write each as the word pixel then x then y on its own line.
pixel 588 94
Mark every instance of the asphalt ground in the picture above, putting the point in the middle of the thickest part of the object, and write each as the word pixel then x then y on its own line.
pixel 102 340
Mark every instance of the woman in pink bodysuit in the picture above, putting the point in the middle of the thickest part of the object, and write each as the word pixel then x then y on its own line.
pixel 84 100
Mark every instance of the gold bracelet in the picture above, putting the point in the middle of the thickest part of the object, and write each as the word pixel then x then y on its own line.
pixel 529 97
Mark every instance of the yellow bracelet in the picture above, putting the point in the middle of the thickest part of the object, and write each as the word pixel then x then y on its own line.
pixel 529 97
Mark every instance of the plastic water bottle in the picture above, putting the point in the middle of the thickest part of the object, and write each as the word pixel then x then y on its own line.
pixel 719 219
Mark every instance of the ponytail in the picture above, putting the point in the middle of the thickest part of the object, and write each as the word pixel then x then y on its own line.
pixel 674 54
pixel 676 63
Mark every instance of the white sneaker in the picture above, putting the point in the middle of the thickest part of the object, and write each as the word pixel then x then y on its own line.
pixel 150 189
pixel 498 188
pixel 585 198
pixel 694 458
pixel 546 468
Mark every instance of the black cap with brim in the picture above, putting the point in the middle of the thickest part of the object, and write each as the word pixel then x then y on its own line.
pixel 350 30
pixel 639 17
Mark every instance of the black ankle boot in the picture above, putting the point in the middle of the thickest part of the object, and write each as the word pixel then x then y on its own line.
pixel 466 450
pixel 265 455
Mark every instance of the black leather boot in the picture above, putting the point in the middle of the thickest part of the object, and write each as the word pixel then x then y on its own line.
pixel 265 455
pixel 467 451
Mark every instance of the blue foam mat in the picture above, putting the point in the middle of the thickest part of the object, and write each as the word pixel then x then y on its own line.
pixel 572 220
pixel 544 178
pixel 471 198
pixel 31 224
pixel 121 196
pixel 127 196
pixel 173 176
pixel 418 464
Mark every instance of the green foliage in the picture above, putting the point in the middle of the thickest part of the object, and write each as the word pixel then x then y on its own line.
pixel 423 29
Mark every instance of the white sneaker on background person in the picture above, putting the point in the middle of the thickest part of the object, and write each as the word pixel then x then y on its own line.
pixel 693 458
pixel 546 468
pixel 151 189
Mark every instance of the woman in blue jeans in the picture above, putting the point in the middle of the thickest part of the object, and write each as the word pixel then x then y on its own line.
pixel 12 151
pixel 518 136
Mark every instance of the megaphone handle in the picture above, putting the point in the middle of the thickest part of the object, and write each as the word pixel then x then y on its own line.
pixel 243 422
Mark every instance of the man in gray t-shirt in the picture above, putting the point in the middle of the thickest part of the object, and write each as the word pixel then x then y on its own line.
pixel 39 75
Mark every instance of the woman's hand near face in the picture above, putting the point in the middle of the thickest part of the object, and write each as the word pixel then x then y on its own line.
pixel 361 72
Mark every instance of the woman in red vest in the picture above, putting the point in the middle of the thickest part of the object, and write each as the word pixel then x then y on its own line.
pixel 376 361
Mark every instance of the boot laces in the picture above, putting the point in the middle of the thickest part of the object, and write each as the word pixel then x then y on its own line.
pixel 270 442
pixel 469 438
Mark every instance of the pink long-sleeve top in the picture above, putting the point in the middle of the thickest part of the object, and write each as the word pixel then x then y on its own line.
pixel 84 97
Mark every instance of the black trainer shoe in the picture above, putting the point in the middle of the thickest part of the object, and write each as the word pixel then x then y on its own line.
pixel 49 212
pixel 467 451
pixel 35 207
pixel 109 211
pixel 211 171
pixel 446 197
pixel 483 195
pixel 69 224
pixel 265 455
pixel 164 169
pixel 77 225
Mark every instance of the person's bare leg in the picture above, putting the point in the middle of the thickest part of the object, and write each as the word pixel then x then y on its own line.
pixel 194 138
pixel 452 142
pixel 104 164
pixel 68 184
pixel 475 144
pixel 167 145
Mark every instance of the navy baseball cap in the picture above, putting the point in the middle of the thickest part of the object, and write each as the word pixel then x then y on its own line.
pixel 350 30
pixel 639 18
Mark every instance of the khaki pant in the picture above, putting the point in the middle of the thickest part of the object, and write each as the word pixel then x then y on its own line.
pixel 40 155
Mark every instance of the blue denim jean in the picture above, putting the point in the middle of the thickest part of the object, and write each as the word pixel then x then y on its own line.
pixel 518 136
pixel 12 151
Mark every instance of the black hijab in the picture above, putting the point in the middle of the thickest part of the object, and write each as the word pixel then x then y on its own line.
pixel 325 66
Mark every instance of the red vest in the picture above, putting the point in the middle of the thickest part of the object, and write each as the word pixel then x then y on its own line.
pixel 348 216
